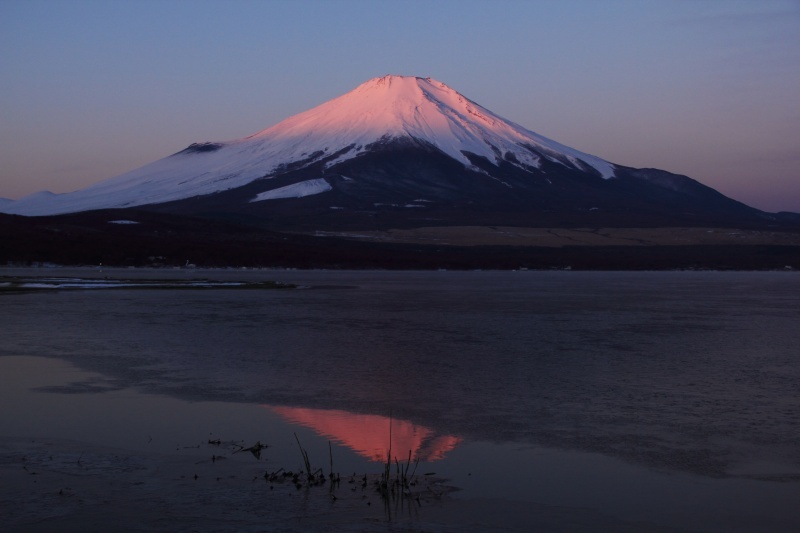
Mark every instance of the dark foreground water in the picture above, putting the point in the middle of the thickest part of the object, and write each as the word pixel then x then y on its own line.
pixel 664 399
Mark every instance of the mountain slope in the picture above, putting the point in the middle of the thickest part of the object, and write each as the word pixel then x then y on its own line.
pixel 400 151
pixel 343 128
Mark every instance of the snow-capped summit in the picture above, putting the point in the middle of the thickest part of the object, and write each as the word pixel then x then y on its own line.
pixel 379 110
pixel 397 151
pixel 420 108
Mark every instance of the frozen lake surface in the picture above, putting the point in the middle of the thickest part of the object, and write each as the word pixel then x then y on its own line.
pixel 582 400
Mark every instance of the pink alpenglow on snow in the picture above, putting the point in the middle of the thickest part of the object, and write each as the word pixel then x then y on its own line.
pixel 380 109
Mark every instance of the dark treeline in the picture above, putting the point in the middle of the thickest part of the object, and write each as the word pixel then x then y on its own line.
pixel 161 240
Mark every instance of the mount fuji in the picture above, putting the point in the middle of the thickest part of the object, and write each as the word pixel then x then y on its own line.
pixel 399 151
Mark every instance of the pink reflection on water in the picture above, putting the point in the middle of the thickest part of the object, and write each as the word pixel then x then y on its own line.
pixel 368 435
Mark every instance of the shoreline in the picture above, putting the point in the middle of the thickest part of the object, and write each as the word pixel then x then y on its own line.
pixel 245 273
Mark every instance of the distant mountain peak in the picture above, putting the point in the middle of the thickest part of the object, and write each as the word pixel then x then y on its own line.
pixel 396 143
pixel 380 109
pixel 421 108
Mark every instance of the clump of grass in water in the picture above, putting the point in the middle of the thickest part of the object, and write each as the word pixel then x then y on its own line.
pixel 400 492
pixel 402 481
pixel 316 477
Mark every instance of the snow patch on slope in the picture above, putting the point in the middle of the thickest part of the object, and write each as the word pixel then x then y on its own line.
pixel 296 190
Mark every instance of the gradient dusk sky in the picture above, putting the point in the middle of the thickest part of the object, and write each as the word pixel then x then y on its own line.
pixel 707 88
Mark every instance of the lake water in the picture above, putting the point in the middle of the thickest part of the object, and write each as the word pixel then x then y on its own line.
pixel 662 399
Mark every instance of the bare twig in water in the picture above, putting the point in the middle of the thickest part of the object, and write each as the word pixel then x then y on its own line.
pixel 307 463
pixel 333 476
pixel 255 449
pixel 383 486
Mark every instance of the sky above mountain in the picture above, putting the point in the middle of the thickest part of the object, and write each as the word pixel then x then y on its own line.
pixel 92 89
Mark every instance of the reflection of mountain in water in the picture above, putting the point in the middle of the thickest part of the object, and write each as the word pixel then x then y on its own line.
pixel 368 435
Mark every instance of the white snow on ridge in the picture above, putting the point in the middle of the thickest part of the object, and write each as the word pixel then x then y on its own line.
pixel 422 108
pixel 379 109
pixel 296 190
